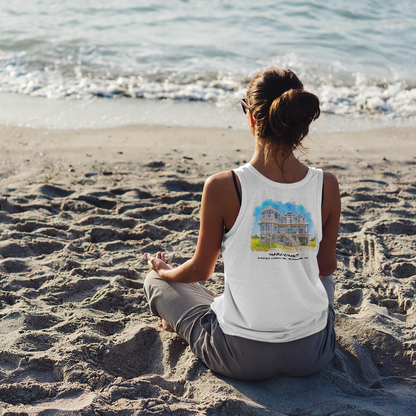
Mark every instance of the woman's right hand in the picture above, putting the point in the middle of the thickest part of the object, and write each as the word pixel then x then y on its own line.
pixel 159 262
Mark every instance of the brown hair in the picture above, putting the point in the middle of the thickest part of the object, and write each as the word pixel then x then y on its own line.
pixel 283 110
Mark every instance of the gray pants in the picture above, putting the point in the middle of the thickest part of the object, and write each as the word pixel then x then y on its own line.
pixel 186 307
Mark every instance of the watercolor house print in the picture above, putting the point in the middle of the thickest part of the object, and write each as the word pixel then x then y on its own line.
pixel 279 230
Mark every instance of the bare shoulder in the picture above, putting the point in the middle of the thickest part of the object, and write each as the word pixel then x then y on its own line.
pixel 219 189
pixel 220 177
pixel 330 180
pixel 331 185
pixel 219 182
pixel 332 200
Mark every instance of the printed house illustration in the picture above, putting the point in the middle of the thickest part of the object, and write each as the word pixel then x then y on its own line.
pixel 287 229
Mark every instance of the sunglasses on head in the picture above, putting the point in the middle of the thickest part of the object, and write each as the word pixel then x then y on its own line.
pixel 244 106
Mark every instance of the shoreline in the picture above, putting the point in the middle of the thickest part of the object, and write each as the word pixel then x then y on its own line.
pixel 102 113
pixel 78 209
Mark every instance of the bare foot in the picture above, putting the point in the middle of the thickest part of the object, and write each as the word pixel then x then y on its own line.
pixel 165 325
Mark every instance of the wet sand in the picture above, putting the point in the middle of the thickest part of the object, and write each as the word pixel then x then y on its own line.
pixel 79 208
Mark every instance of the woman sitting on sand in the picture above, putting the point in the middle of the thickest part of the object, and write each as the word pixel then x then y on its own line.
pixel 276 221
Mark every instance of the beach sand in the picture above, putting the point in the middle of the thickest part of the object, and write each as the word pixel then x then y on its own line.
pixel 79 208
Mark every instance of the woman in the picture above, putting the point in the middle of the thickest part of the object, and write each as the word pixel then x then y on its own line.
pixel 276 221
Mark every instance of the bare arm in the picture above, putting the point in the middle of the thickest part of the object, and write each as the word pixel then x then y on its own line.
pixel 214 206
pixel 331 211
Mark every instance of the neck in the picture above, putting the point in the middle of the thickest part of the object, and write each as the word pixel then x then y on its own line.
pixel 281 167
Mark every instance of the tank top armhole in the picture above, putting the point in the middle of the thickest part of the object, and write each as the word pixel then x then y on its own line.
pixel 241 197
pixel 236 187
pixel 238 194
pixel 320 193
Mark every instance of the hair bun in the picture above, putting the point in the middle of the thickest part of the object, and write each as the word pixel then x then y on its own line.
pixel 281 123
pixel 293 107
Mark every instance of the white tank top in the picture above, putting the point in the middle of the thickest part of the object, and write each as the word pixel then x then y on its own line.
pixel 272 288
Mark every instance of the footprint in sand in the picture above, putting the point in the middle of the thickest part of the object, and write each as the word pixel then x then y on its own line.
pixel 136 355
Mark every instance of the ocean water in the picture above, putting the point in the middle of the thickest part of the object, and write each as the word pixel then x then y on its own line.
pixel 99 63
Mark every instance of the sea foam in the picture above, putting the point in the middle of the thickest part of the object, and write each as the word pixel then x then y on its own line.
pixel 363 98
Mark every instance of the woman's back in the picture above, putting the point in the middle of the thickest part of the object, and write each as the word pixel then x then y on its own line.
pixel 270 260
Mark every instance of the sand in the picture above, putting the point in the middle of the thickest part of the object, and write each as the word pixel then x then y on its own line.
pixel 78 209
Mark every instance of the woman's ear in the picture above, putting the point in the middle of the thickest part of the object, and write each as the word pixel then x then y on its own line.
pixel 251 120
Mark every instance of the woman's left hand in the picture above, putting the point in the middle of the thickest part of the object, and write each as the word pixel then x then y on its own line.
pixel 158 262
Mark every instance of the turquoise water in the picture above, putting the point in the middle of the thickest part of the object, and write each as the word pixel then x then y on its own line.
pixel 358 56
